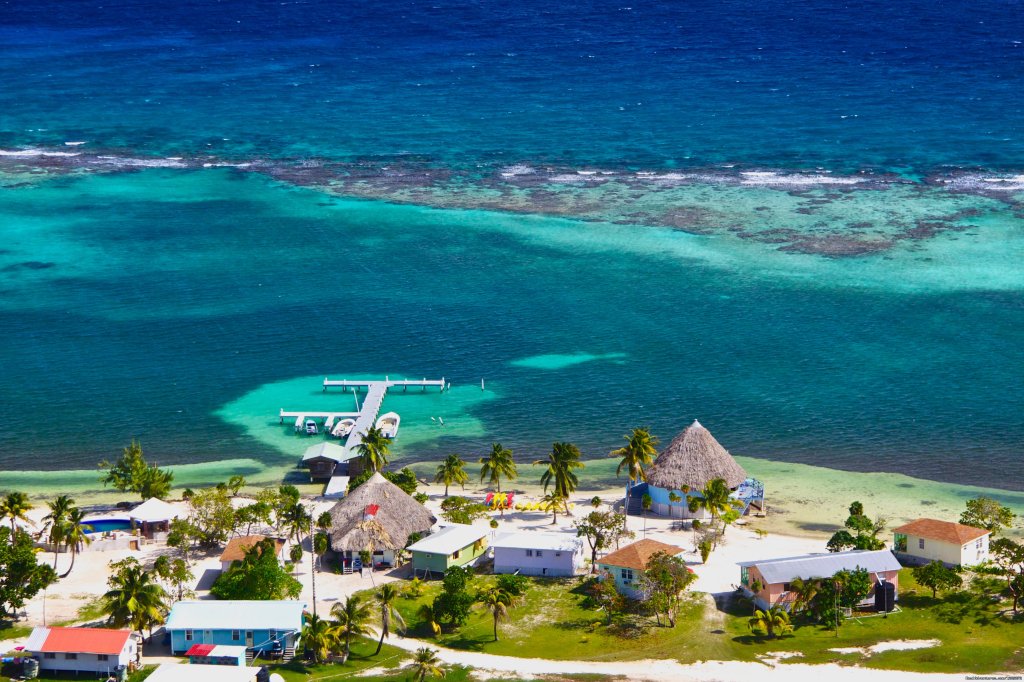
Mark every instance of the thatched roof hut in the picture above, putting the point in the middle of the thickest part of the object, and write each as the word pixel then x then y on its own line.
pixel 378 515
pixel 691 460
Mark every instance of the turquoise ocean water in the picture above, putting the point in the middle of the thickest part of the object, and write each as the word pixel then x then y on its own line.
pixel 800 224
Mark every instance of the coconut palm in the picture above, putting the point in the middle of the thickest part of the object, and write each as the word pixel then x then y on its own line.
pixel 320 637
pixel 497 465
pixel 563 458
pixel 56 523
pixel 498 602
pixel 15 507
pixel 373 449
pixel 451 470
pixel 804 592
pixel 353 617
pixel 773 621
pixel 320 544
pixel 426 614
pixel 638 453
pixel 133 599
pixel 76 536
pixel 550 503
pixel 646 502
pixel 425 663
pixel 386 597
pixel 716 499
pixel 297 521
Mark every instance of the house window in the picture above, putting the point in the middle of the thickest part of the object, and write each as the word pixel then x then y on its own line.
pixel 189 635
pixel 744 575
pixel 455 555
pixel 102 657
pixel 273 634
pixel 540 553
pixel 236 635
pixel 529 552
pixel 978 544
pixel 71 657
pixel 786 587
pixel 558 554
pixel 920 543
pixel 49 655
pixel 627 575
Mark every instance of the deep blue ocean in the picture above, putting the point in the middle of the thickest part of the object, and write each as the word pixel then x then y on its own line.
pixel 199 200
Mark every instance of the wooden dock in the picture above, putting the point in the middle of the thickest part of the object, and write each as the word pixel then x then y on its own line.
pixel 366 417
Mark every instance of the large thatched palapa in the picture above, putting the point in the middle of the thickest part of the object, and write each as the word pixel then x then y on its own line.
pixel 378 517
pixel 692 460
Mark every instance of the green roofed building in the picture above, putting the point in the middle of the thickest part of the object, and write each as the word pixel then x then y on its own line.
pixel 454 545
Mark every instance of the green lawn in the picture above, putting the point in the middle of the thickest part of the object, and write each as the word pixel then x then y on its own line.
pixel 553 622
pixel 975 637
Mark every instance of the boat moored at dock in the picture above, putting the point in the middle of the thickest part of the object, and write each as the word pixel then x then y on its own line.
pixel 388 424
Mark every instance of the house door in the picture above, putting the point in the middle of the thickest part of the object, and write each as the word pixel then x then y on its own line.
pixel 207 636
pixel 248 638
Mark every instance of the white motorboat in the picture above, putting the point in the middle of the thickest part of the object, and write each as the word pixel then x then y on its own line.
pixel 388 424
pixel 311 428
pixel 343 428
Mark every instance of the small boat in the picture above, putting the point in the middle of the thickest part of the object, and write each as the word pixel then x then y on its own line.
pixel 388 424
pixel 311 429
pixel 343 428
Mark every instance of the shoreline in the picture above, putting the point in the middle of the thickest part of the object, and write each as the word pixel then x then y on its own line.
pixel 803 500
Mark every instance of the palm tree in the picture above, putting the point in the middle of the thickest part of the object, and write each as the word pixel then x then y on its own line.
pixel 804 592
pixel 386 597
pixel 563 458
pixel 320 637
pixel 15 507
pixel 320 545
pixel 638 453
pixel 426 664
pixel 353 617
pixel 771 621
pixel 426 614
pixel 497 601
pixel 134 599
pixel 297 521
pixel 716 499
pixel 496 465
pixel 76 536
pixel 373 449
pixel 646 502
pixel 451 470
pixel 56 523
pixel 551 502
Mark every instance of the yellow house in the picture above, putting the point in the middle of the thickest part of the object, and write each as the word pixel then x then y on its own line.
pixel 954 544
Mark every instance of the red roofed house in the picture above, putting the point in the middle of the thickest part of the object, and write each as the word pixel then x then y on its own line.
pixel 96 651
pixel 627 565
pixel 954 544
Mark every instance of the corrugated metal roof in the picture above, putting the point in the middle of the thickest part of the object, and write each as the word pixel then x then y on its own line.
pixel 329 451
pixel 177 672
pixel 449 539
pixel 525 540
pixel 236 615
pixel 78 640
pixel 823 565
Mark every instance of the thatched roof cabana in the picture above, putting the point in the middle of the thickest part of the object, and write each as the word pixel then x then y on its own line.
pixel 378 515
pixel 691 460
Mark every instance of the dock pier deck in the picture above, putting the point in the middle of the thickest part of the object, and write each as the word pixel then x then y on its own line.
pixel 366 417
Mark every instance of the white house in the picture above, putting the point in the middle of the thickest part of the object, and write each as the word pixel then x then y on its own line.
pixel 550 554
pixel 95 651
pixel 180 672
pixel 954 544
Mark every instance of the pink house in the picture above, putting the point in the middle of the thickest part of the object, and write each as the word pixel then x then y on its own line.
pixel 767 582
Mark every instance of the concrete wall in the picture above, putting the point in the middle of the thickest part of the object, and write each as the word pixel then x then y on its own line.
pixel 87 663
pixel 261 639
pixel 946 552
pixel 551 562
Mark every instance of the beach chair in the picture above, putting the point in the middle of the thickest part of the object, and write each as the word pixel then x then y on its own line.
pixel 489 499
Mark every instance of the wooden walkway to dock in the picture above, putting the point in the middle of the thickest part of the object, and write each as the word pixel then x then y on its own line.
pixel 368 411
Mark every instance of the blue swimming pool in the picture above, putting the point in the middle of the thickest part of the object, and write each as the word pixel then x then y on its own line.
pixel 106 525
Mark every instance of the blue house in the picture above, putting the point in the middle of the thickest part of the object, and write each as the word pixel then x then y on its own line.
pixel 264 628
